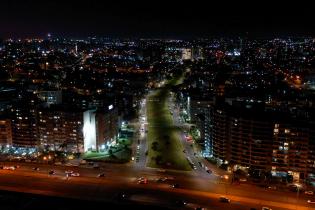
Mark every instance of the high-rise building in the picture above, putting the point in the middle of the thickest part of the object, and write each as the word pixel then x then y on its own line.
pixel 60 128
pixel 290 149
pixel 23 120
pixel 5 132
pixel 100 128
pixel 50 97
pixel 201 111
pixel 264 141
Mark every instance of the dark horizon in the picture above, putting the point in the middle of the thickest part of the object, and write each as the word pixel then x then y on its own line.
pixel 162 19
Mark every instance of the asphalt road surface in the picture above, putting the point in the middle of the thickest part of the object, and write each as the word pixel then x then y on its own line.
pixel 193 188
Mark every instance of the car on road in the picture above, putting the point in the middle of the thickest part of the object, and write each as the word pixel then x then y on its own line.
pixel 265 208
pixel 161 179
pixel 12 168
pixel 224 199
pixel 200 208
pixel 58 163
pixel 122 196
pixel 101 175
pixel 35 169
pixel 309 192
pixel 243 180
pixel 75 174
pixel 311 201
pixel 180 203
pixel 142 180
pixel 51 172
pixel 68 172
pixel 169 177
pixel 176 185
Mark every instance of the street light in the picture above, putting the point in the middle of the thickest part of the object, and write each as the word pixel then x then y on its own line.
pixel 225 178
pixel 298 186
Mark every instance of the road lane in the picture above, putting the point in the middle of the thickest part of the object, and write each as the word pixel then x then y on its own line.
pixel 104 188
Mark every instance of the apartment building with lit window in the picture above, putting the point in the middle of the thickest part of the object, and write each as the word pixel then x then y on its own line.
pixel 266 141
pixel 5 132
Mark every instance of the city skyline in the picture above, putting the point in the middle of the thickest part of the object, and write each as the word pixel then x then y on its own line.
pixel 157 105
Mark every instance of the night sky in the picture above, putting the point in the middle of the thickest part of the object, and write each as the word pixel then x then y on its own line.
pixel 165 19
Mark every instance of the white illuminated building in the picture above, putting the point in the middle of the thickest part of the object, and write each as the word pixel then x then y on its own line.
pixel 89 130
pixel 186 54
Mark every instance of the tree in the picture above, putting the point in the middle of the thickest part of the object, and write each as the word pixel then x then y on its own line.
pixel 158 159
pixel 110 152
pixel 155 145
pixel 167 140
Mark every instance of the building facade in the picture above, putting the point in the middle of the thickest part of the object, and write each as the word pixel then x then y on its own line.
pixel 60 129
pixel 263 141
pixel 5 132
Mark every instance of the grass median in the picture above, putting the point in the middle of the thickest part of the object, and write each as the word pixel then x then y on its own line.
pixel 164 147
